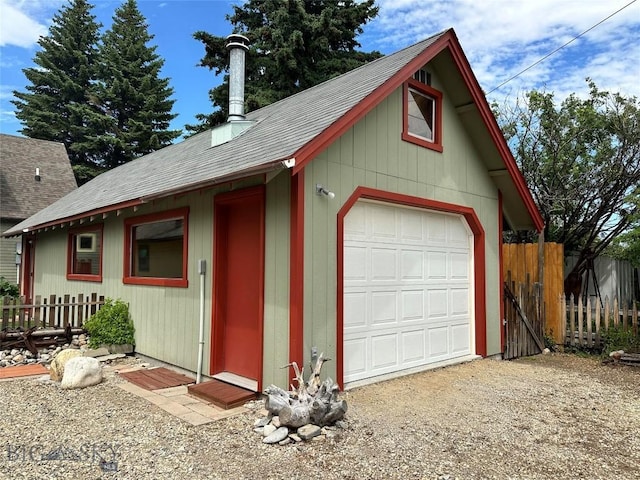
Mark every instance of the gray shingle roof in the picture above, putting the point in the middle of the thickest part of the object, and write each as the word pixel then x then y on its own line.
pixel 20 194
pixel 281 129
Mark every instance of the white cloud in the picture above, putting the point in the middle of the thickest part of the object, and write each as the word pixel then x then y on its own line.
pixel 502 37
pixel 17 26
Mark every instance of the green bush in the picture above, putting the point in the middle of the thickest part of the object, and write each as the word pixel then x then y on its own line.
pixel 618 338
pixel 8 289
pixel 111 325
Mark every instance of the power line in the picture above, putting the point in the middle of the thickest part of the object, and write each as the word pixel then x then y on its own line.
pixel 560 47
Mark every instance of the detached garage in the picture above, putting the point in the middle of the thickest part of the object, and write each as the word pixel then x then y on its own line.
pixel 367 212
pixel 408 289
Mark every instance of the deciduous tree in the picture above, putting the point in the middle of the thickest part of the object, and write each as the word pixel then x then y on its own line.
pixel 581 161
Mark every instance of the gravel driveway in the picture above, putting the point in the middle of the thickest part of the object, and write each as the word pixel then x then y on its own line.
pixel 553 416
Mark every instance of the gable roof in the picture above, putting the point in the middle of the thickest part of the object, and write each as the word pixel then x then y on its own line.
pixel 21 195
pixel 289 132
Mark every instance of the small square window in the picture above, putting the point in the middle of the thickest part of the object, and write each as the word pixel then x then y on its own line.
pixel 156 249
pixel 84 254
pixel 422 122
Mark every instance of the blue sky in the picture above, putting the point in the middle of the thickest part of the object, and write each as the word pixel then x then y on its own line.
pixel 500 38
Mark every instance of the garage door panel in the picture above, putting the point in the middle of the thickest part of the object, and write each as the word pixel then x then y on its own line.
pixel 436 265
pixel 412 305
pixel 459 266
pixel 438 341
pixel 384 350
pixel 460 339
pixel 412 265
pixel 383 264
pixel 355 357
pixel 437 301
pixel 384 307
pixel 355 309
pixel 355 261
pixel 413 346
pixel 459 301
pixel 384 227
pixel 407 289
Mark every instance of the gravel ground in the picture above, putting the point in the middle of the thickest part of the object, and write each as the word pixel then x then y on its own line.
pixel 553 416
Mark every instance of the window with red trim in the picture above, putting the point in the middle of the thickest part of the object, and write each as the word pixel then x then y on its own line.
pixel 422 115
pixel 156 249
pixel 84 254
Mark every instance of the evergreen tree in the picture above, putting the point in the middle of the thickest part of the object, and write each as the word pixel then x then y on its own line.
pixel 295 44
pixel 131 92
pixel 60 105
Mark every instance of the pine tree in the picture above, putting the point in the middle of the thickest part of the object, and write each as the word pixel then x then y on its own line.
pixel 59 105
pixel 131 92
pixel 295 44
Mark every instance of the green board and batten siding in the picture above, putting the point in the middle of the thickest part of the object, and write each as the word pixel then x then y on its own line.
pixel 372 154
pixel 167 319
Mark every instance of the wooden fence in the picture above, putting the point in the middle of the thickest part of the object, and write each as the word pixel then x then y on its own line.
pixel 584 322
pixel 51 312
pixel 523 263
pixel 523 319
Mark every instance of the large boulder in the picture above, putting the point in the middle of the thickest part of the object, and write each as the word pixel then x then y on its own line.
pixel 81 372
pixel 57 366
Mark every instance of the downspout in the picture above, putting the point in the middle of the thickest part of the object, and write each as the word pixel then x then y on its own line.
pixel 202 267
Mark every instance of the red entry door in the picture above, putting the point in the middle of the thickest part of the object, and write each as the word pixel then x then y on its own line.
pixel 238 283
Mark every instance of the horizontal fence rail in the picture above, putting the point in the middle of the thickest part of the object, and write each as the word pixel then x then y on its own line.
pixel 48 312
pixel 584 322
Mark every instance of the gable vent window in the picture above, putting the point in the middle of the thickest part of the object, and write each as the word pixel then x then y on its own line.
pixel 422 110
pixel 423 76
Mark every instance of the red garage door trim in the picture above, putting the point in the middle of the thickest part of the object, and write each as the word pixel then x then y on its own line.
pixel 478 256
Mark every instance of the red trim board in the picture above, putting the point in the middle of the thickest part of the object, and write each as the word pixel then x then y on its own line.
pixel 296 266
pixel 468 213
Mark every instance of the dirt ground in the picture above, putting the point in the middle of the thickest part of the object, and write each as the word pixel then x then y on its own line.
pixel 551 416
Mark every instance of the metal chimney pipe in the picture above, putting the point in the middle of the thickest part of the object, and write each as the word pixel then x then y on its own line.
pixel 237 45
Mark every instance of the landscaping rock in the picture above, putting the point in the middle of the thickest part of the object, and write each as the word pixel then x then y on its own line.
pixel 307 432
pixel 276 436
pixel 268 430
pixel 96 352
pixel 57 366
pixel 81 372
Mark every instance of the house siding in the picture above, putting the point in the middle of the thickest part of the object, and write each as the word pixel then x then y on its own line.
pixel 8 254
pixel 372 154
pixel 167 319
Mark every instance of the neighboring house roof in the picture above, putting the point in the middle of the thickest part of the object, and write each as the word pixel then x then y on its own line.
pixel 298 128
pixel 21 194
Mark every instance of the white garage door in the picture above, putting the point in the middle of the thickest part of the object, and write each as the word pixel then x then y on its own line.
pixel 407 289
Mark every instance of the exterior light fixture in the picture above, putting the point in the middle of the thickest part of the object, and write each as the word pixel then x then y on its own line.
pixel 320 190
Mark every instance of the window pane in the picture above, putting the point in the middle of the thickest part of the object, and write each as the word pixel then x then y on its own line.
pixel 421 115
pixel 157 249
pixel 86 253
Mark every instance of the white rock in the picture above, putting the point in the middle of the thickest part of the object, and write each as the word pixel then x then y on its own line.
pixel 268 430
pixel 546 351
pixel 81 372
pixel 57 366
pixel 307 432
pixel 18 358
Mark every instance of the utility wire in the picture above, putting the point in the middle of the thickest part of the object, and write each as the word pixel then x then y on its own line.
pixel 560 48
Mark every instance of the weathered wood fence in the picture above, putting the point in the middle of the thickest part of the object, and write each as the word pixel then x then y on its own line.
pixel 523 319
pixel 48 312
pixel 584 322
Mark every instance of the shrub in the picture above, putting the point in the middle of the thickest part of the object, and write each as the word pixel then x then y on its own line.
pixel 8 289
pixel 111 325
pixel 619 338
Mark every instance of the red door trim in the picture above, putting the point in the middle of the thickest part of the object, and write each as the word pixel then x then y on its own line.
pixel 217 332
pixel 296 274
pixel 479 261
